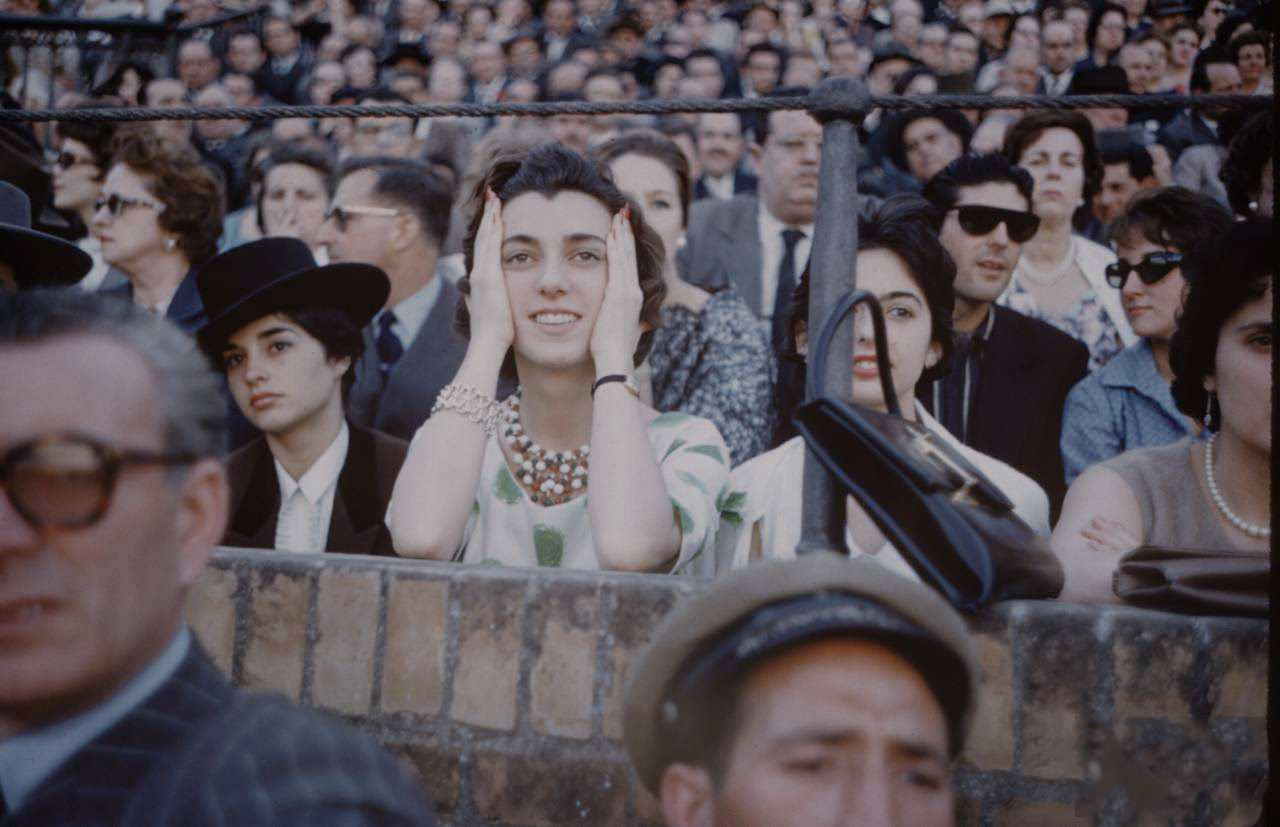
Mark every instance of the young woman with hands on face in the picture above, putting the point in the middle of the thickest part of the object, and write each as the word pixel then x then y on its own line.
pixel 572 470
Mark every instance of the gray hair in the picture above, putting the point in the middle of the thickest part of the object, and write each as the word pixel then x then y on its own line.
pixel 192 405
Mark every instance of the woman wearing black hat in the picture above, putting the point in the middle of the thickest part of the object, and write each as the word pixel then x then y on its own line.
pixel 572 470
pixel 287 332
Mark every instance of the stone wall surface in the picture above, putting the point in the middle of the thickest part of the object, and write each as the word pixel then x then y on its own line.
pixel 502 689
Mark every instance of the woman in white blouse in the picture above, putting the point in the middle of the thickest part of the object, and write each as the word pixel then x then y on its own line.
pixel 902 263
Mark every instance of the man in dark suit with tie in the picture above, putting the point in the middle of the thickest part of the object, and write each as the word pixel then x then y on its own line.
pixel 760 243
pixel 110 711
pixel 393 213
pixel 1010 374
pixel 720 144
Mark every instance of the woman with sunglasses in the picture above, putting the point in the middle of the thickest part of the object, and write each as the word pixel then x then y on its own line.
pixel 1127 403
pixel 158 218
pixel 903 264
pixel 84 155
pixel 1214 494
pixel 572 470
pixel 1059 278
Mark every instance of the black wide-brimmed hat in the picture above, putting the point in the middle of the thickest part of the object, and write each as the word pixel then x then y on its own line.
pixel 274 274
pixel 38 259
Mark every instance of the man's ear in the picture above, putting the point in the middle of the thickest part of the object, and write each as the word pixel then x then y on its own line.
pixel 203 508
pixel 405 232
pixel 687 796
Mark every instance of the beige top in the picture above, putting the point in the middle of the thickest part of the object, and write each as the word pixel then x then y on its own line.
pixel 1175 510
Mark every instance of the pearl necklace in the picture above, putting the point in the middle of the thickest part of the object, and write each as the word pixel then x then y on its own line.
pixel 550 477
pixel 1252 529
pixel 1044 278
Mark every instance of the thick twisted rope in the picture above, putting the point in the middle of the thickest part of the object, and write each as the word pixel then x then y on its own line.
pixel 831 107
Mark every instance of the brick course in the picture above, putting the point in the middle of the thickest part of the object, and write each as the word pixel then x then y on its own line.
pixel 501 689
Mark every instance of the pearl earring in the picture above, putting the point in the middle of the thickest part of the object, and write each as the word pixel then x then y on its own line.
pixel 170 243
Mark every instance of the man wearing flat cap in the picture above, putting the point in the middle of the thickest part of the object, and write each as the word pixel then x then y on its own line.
pixel 819 690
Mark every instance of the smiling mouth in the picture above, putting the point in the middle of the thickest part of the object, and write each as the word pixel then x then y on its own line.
pixel 865 367
pixel 548 319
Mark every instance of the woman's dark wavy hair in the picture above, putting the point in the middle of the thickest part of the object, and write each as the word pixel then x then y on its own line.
pixel 1173 217
pixel 97 136
pixel 1095 21
pixel 1248 153
pixel 1027 130
pixel 903 225
pixel 649 143
pixel 288 152
pixel 1224 274
pixel 549 169
pixel 191 192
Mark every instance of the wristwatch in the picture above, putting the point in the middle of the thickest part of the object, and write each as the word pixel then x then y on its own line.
pixel 625 379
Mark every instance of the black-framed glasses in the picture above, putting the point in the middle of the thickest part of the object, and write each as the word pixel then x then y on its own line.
pixel 67 160
pixel 1152 268
pixel 66 480
pixel 340 214
pixel 978 219
pixel 116 204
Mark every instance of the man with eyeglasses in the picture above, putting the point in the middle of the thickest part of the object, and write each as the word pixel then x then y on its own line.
pixel 110 711
pixel 392 136
pixel 1011 373
pixel 393 213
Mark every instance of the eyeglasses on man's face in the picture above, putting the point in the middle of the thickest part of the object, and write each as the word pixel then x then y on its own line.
pixel 1152 268
pixel 67 160
pixel 340 214
pixel 66 480
pixel 978 220
pixel 116 204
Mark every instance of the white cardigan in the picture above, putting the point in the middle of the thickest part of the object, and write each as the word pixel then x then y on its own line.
pixel 1092 259
pixel 770 506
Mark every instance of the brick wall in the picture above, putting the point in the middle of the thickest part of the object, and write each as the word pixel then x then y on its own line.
pixel 502 689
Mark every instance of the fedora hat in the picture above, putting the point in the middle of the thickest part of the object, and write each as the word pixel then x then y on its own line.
pixel 677 684
pixel 38 259
pixel 279 273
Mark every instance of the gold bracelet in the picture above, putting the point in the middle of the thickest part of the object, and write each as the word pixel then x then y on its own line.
pixel 471 404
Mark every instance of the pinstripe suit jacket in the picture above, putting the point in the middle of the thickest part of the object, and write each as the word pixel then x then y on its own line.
pixel 199 752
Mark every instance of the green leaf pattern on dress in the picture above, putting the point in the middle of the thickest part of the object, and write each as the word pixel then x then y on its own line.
pixel 505 487
pixel 548 545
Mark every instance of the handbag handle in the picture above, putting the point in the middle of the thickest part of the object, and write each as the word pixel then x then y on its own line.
pixel 818 352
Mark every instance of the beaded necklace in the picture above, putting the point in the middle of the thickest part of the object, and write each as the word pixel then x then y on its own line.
pixel 1252 529
pixel 550 477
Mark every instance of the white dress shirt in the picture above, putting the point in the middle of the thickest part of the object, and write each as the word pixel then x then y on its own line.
pixel 306 504
pixel 719 187
pixel 771 249
pixel 411 314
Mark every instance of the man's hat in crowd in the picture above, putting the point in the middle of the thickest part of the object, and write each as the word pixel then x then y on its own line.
pixel 952 120
pixel 709 641
pixel 278 273
pixel 1167 8
pixel 38 259
pixel 1100 80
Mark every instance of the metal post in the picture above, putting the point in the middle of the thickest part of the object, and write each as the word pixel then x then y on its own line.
pixel 839 104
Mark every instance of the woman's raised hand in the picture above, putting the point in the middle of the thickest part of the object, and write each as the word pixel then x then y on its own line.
pixel 618 329
pixel 490 309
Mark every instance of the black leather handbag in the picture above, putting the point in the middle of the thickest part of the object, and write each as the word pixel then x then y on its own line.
pixel 1195 581
pixel 955 528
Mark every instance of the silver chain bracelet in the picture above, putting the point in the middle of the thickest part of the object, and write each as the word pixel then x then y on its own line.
pixel 475 406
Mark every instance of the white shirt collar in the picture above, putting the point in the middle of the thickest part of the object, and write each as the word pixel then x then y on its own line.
pixel 771 224
pixel 29 758
pixel 323 473
pixel 721 186
pixel 412 312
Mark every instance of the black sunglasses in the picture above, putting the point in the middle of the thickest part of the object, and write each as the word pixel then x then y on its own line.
pixel 341 214
pixel 1152 268
pixel 117 204
pixel 976 219
pixel 66 480
pixel 67 160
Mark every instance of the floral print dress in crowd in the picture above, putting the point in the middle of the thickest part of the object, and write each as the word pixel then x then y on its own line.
pixel 717 364
pixel 1087 321
pixel 507 528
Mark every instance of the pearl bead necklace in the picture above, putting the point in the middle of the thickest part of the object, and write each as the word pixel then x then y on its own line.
pixel 550 477
pixel 1054 274
pixel 1252 529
